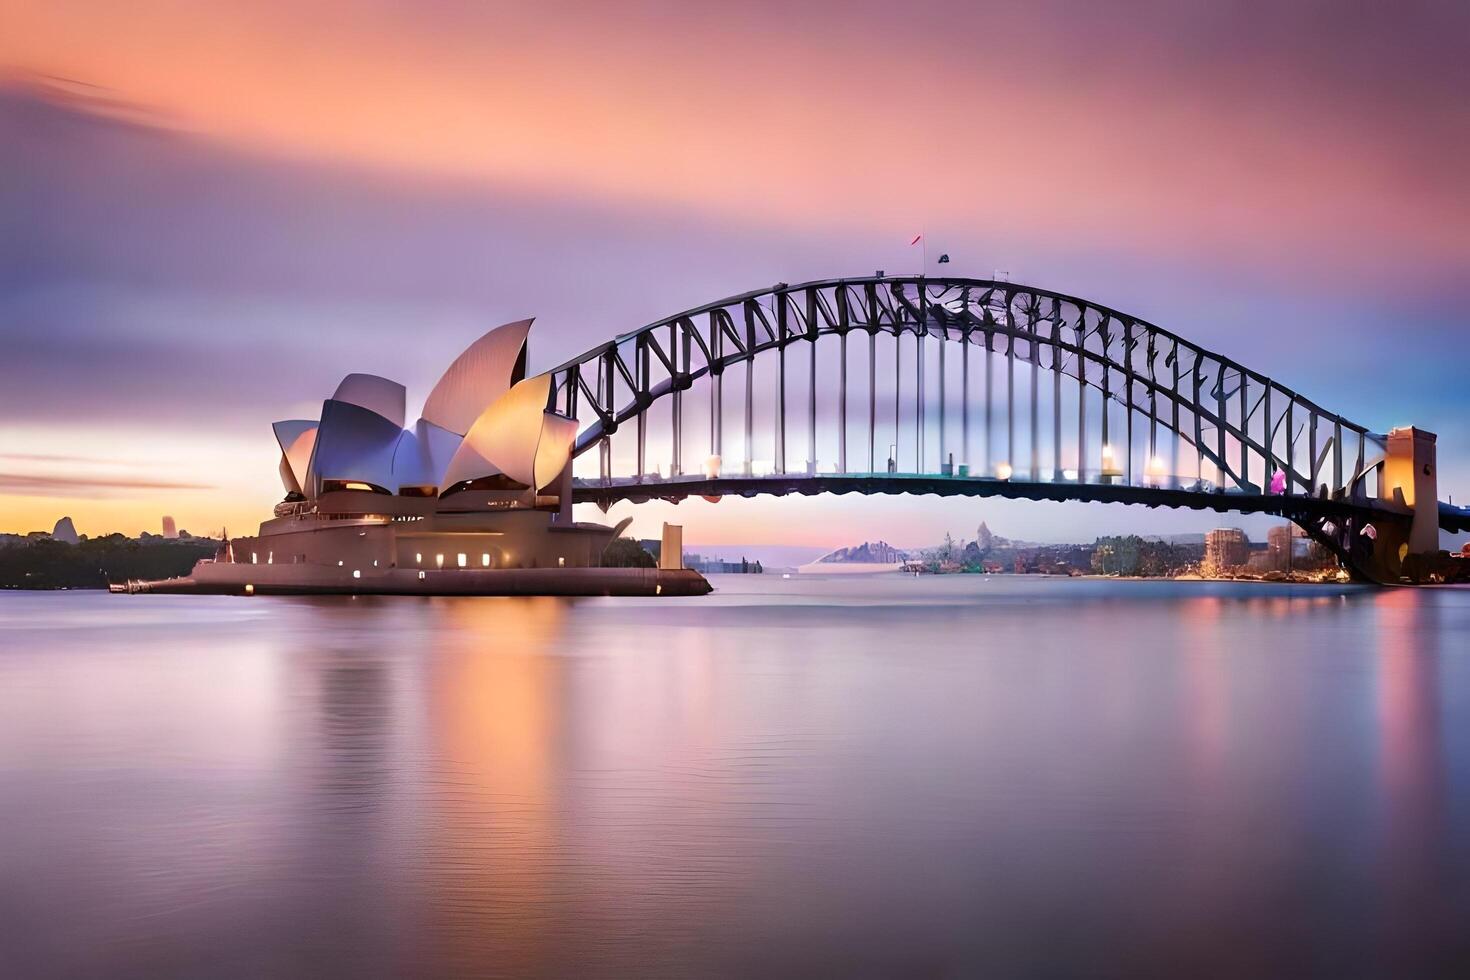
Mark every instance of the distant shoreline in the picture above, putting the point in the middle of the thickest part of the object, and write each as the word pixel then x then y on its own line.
pixel 1130 578
pixel 1201 578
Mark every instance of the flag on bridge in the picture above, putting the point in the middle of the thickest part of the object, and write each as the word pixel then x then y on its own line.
pixel 916 238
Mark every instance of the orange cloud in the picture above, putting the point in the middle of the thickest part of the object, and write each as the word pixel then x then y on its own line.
pixel 839 127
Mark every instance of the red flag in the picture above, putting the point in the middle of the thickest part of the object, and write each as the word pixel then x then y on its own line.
pixel 916 238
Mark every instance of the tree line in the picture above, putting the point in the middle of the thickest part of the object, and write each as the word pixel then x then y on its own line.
pixel 1136 556
pixel 93 563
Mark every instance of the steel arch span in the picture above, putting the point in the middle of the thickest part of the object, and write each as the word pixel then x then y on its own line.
pixel 908 384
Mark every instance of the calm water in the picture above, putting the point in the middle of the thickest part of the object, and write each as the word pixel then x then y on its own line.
pixel 890 776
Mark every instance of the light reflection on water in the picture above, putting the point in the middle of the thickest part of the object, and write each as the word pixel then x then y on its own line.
pixel 832 776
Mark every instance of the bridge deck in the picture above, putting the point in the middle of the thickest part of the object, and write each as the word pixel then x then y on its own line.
pixel 606 492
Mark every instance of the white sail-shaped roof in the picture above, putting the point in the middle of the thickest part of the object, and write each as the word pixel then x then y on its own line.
pixel 518 437
pixel 296 437
pixel 375 394
pixel 423 454
pixel 485 371
pixel 554 450
pixel 353 444
pixel 288 479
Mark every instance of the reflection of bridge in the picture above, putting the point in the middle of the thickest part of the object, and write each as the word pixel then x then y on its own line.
pixel 963 386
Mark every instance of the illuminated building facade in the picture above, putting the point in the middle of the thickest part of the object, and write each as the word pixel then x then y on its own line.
pixel 478 488
pixel 1226 548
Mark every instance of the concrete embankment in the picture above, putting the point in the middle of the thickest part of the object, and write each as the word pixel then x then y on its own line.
pixel 241 579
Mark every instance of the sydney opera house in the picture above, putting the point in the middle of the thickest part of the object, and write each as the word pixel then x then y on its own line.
pixel 475 498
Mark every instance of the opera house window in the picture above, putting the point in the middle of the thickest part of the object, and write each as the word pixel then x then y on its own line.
pixel 463 559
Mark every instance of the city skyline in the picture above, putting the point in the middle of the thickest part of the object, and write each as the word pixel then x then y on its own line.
pixel 441 172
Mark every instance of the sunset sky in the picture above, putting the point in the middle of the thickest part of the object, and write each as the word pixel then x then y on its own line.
pixel 210 212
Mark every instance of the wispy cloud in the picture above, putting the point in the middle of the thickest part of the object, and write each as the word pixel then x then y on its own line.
pixel 57 458
pixel 95 101
pixel 58 485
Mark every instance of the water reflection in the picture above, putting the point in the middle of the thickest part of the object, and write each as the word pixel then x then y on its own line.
pixel 492 838
pixel 872 777
pixel 1411 770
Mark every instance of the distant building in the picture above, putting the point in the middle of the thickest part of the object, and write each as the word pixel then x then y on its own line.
pixel 65 531
pixel 1225 548
pixel 1278 548
pixel 170 529
pixel 706 566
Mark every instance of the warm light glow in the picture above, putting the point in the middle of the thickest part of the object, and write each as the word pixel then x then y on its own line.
pixel 1003 471
pixel 356 573
pixel 421 575
pixel 1069 474
pixel 712 468
pixel 463 559
pixel 249 589
pixel 418 557
pixel 580 92
pixel 439 560
pixel 315 81
pixel 485 559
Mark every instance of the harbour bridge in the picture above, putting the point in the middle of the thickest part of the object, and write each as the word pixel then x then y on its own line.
pixel 974 387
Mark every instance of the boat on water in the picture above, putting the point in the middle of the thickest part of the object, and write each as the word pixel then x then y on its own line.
pixel 474 499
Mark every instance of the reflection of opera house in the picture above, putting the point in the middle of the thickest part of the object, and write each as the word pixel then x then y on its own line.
pixel 474 499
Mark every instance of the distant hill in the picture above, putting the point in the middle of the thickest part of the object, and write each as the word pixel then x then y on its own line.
pixel 867 553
